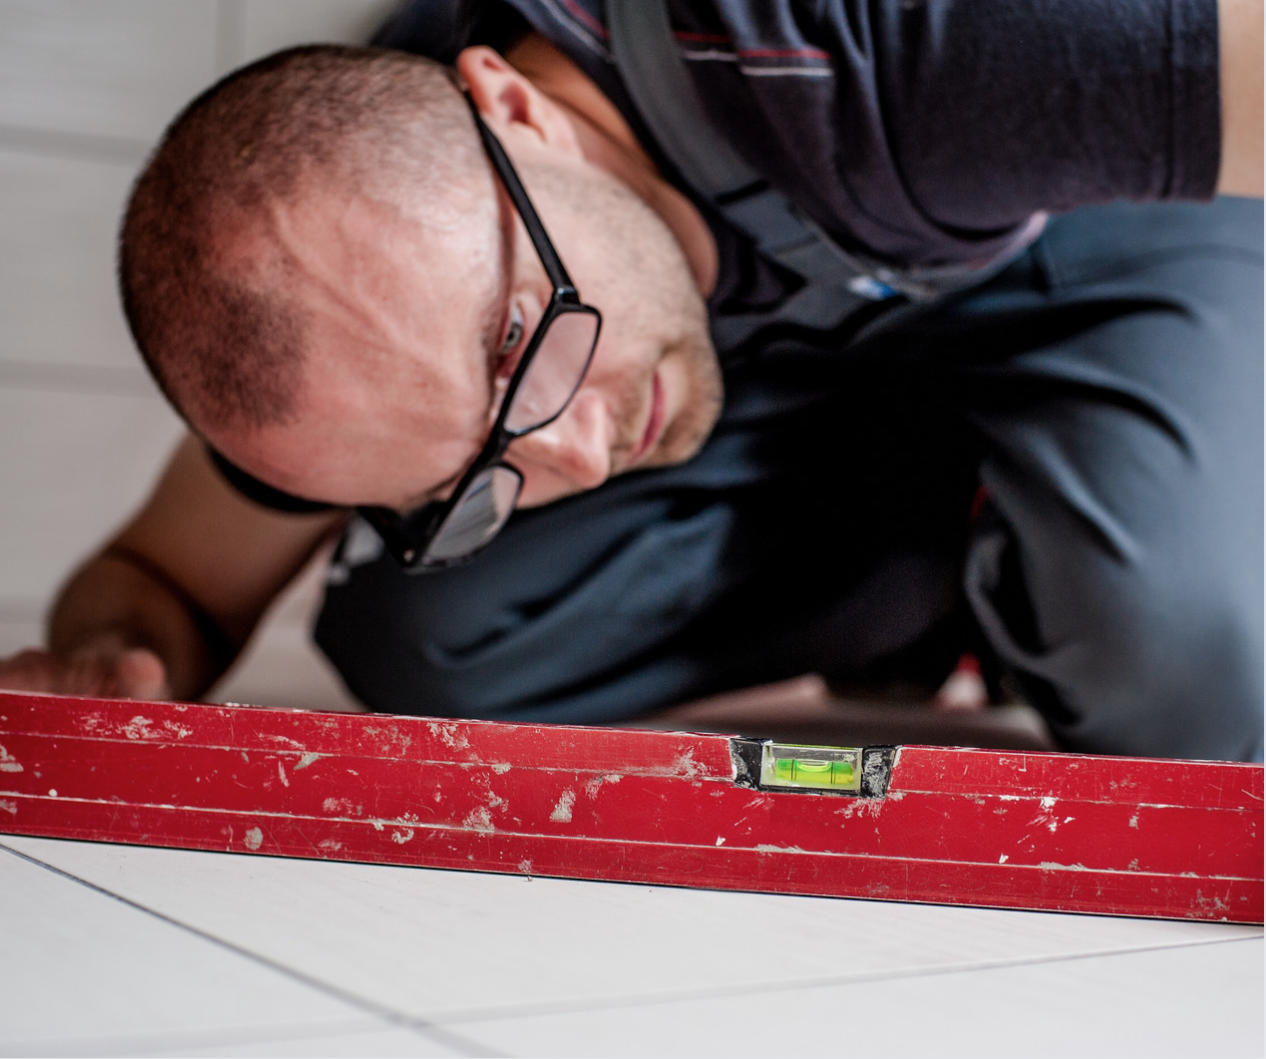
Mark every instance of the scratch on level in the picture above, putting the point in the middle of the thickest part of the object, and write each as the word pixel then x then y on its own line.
pixel 1050 865
pixel 8 763
pixel 862 807
pixel 479 819
pixel 9 807
pixel 562 811
pixel 1206 903
pixel 294 743
pixel 281 772
pixel 307 760
pixel 686 766
pixel 253 839
pixel 595 785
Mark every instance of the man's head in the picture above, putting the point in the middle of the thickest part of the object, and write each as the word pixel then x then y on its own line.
pixel 322 271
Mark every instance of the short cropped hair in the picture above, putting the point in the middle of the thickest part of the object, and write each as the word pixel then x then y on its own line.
pixel 219 336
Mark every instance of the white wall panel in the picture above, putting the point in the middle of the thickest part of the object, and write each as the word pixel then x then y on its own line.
pixel 72 467
pixel 116 68
pixel 59 303
pixel 269 25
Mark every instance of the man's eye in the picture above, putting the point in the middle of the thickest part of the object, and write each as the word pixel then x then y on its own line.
pixel 514 332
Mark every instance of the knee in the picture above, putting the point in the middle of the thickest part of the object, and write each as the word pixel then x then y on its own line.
pixel 1141 656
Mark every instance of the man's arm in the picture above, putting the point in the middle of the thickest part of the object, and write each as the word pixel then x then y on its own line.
pixel 166 605
pixel 1240 47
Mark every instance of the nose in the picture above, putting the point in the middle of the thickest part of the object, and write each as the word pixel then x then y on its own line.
pixel 575 448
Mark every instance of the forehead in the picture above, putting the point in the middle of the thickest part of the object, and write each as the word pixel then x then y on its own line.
pixel 398 302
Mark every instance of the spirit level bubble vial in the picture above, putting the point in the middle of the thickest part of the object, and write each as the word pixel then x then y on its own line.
pixel 811 767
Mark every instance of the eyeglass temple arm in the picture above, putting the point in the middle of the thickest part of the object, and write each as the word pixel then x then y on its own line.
pixel 394 532
pixel 518 195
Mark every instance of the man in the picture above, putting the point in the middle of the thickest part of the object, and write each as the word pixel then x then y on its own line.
pixel 948 423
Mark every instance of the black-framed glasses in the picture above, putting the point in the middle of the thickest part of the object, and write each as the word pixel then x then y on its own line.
pixel 547 377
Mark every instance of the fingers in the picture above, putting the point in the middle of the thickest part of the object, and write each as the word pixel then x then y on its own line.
pixel 140 674
pixel 30 670
pixel 130 674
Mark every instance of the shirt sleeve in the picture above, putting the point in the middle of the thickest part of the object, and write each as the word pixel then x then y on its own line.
pixel 994 109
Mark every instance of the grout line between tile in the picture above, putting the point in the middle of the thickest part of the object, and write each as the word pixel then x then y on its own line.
pixel 92 379
pixel 471 1017
pixel 80 146
pixel 373 1007
pixel 159 1042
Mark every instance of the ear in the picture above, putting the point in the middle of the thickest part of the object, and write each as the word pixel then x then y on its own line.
pixel 512 106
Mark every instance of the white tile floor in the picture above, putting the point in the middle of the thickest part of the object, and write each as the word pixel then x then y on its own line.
pixel 108 950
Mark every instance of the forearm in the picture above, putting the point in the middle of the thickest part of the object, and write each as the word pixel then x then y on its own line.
pixel 117 601
pixel 1240 47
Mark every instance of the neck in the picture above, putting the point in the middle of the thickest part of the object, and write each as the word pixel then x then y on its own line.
pixel 608 142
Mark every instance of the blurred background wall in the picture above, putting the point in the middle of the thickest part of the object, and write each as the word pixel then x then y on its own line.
pixel 86 88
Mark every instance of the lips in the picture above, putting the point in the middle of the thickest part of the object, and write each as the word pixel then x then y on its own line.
pixel 654 422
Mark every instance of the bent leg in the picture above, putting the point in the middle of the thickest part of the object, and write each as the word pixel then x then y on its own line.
pixel 1118 569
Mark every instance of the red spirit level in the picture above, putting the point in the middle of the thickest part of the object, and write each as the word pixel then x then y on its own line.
pixel 1120 836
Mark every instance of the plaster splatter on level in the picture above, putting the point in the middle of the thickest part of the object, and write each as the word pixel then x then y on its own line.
pixel 687 767
pixel 8 763
pixel 281 772
pixel 141 727
pixel 403 835
pixel 8 806
pixel 479 819
pixel 501 767
pixel 253 839
pixel 341 806
pixel 307 760
pixel 562 811
pixel 450 735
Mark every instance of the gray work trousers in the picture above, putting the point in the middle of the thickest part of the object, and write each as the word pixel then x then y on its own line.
pixel 1060 469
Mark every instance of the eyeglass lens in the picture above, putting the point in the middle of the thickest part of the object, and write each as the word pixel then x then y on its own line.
pixel 554 373
pixel 552 377
pixel 478 516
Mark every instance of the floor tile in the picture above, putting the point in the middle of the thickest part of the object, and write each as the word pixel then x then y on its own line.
pixel 80 968
pixel 363 1044
pixel 59 303
pixel 1203 1000
pixel 72 468
pixel 118 68
pixel 456 945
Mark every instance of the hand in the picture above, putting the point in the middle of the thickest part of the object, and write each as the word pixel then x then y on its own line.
pixel 132 673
